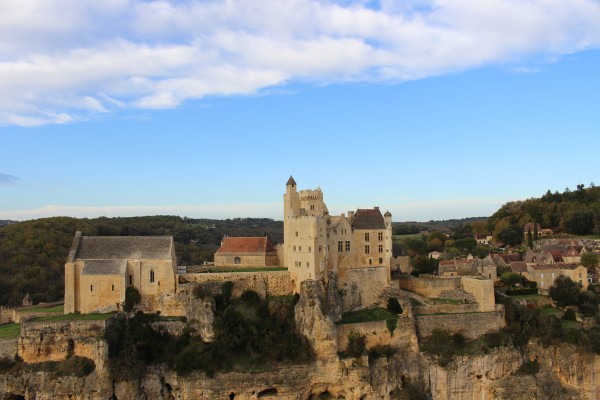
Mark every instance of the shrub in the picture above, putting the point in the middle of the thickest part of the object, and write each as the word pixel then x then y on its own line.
pixel 518 292
pixel 227 290
pixel 564 291
pixel 380 351
pixel 459 340
pixel 570 315
pixel 494 340
pixel 200 292
pixel 356 343
pixel 529 368
pixel 132 298
pixel 250 297
pixel 393 306
pixel 391 325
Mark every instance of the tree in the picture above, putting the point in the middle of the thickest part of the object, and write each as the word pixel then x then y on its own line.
pixel 590 260
pixel 565 292
pixel 510 279
pixel 536 234
pixel 580 222
pixel 529 237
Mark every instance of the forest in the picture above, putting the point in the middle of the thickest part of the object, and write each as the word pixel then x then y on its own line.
pixel 33 253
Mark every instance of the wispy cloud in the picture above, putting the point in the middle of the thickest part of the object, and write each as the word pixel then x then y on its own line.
pixel 6 179
pixel 65 60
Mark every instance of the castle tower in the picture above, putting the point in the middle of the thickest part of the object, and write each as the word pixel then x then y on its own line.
pixel 387 217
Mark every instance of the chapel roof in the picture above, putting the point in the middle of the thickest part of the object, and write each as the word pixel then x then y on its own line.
pixel 260 244
pixel 104 267
pixel 124 247
pixel 368 218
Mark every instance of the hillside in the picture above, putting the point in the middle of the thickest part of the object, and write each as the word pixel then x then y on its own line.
pixel 33 253
pixel 570 212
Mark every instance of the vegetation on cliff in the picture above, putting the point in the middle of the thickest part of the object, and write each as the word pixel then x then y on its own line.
pixel 250 334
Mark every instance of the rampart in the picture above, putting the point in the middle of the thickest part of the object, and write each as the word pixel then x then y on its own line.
pixel 362 286
pixel 482 289
pixel 56 340
pixel 446 309
pixel 265 283
pixel 377 333
pixel 8 348
pixel 428 286
pixel 471 325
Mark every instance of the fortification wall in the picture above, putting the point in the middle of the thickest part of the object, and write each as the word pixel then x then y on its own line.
pixel 377 333
pixel 8 348
pixel 482 289
pixel 271 283
pixel 446 309
pixel 55 340
pixel 428 286
pixel 471 325
pixel 362 287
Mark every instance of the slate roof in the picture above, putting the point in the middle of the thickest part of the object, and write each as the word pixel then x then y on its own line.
pixel 291 182
pixel 519 266
pixel 560 265
pixel 124 247
pixel 508 258
pixel 368 218
pixel 246 245
pixel 104 267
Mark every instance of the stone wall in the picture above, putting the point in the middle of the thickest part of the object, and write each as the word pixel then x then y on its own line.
pixel 8 348
pixel 377 333
pixel 471 325
pixel 271 283
pixel 428 286
pixel 361 287
pixel 446 309
pixel 55 340
pixel 6 315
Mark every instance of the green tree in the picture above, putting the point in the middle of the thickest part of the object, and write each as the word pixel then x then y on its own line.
pixel 536 234
pixel 590 260
pixel 529 238
pixel 510 279
pixel 565 292
pixel 580 222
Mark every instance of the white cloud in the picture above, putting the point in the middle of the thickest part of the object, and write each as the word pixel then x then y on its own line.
pixel 61 60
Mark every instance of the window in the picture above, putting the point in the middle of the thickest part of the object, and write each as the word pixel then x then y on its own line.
pixel 294 248
pixel 91 288
pixel 151 276
pixel 307 264
pixel 366 237
pixel 312 206
pixel 367 249
pixel 347 245
pixel 340 246
pixel 130 280
pixel 309 249
pixel 237 260
pixel 320 248
pixel 370 261
pixel 113 288
pixel 299 248
pixel 380 248
pixel 380 260
pixel 380 236
pixel 296 233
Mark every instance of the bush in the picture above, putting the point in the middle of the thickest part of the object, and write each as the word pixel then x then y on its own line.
pixel 356 343
pixel 200 292
pixel 529 368
pixel 391 325
pixel 570 315
pixel 494 340
pixel 380 351
pixel 565 292
pixel 6 363
pixel 227 290
pixel 132 298
pixel 250 297
pixel 393 306
pixel 521 292
pixel 459 340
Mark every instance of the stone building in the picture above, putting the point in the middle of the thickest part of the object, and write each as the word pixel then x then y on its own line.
pixel 100 268
pixel 246 252
pixel 357 246
pixel 546 274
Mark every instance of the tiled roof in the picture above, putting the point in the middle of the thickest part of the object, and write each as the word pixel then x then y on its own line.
pixel 556 254
pixel 572 252
pixel 368 218
pixel 246 245
pixel 125 247
pixel 104 267
pixel 560 265
pixel 508 258
pixel 518 266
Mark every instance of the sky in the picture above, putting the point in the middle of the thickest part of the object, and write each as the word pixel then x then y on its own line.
pixel 431 109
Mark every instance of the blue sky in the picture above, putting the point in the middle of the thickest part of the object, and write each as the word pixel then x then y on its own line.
pixel 432 109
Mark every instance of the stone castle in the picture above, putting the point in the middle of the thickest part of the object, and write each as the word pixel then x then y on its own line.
pixel 357 247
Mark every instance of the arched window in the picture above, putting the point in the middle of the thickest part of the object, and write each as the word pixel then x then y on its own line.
pixel 237 260
pixel 151 276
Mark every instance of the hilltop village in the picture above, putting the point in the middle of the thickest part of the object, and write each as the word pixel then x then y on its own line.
pixel 372 325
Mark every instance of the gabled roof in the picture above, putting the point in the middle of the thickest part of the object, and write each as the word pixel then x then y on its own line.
pixel 124 247
pixel 518 266
pixel 368 218
pixel 260 244
pixel 104 267
pixel 572 252
pixel 556 254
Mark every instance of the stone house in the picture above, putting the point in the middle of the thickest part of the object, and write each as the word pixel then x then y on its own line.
pixel 248 252
pixel 546 274
pixel 99 269
pixel 468 267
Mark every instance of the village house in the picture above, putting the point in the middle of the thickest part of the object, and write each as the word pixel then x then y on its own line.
pixel 545 274
pixel 246 252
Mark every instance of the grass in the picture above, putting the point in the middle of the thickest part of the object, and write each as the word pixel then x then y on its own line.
pixel 549 310
pixel 10 331
pixel 56 309
pixel 447 301
pixel 566 324
pixel 76 317
pixel 368 315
